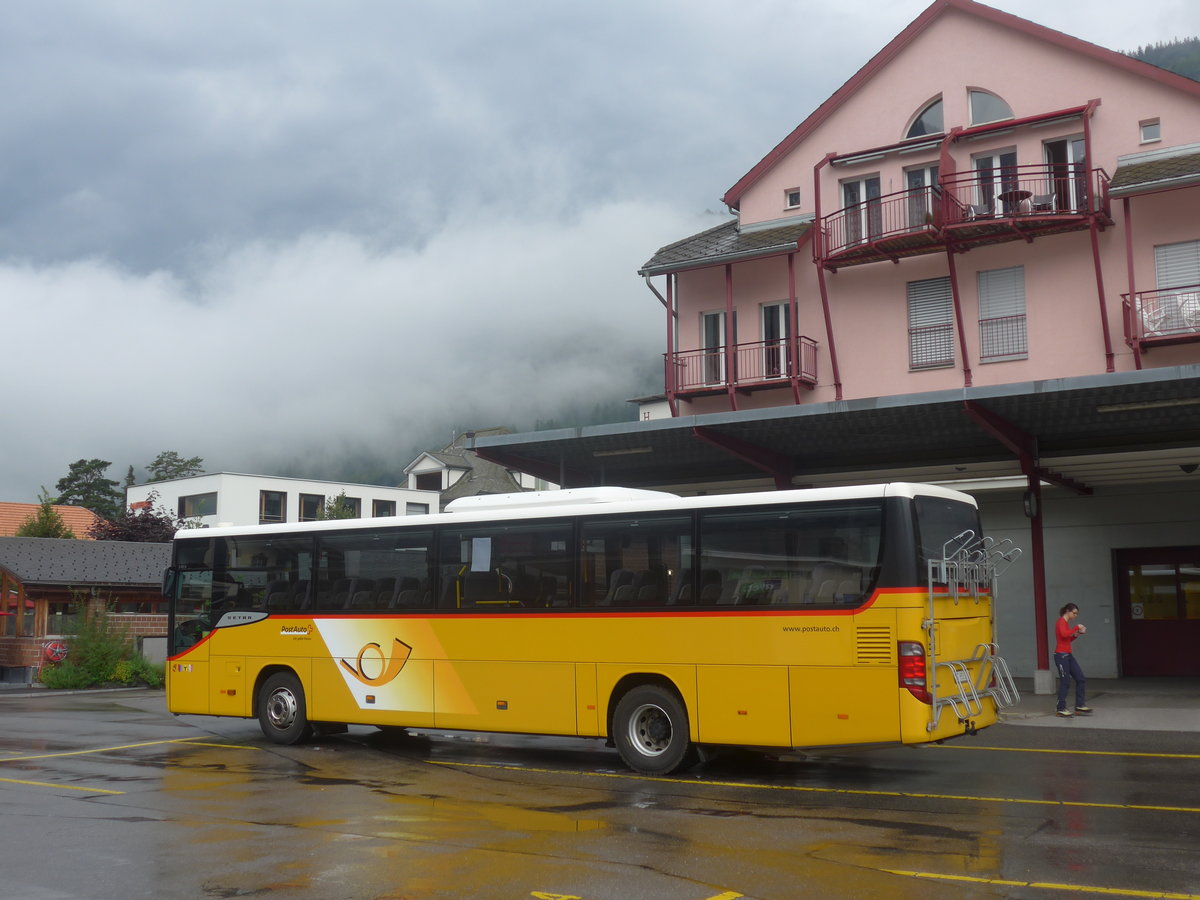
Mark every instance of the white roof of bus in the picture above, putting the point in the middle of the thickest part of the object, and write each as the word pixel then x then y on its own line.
pixel 585 501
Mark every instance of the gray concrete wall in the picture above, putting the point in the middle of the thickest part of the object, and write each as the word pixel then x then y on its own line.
pixel 1081 534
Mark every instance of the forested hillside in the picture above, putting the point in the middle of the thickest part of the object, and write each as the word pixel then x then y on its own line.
pixel 1180 56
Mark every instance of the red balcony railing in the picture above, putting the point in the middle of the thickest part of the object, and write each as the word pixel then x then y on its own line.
pixel 1022 192
pixel 1164 316
pixel 754 364
pixel 976 206
pixel 914 211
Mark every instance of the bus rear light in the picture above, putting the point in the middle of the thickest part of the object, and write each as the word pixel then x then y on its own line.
pixel 912 670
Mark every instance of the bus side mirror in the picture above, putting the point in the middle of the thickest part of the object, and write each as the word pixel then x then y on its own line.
pixel 169 580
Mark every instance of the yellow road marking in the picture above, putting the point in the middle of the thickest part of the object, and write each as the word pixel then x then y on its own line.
pixel 195 742
pixel 728 895
pixel 908 795
pixel 1071 752
pixel 1047 885
pixel 65 787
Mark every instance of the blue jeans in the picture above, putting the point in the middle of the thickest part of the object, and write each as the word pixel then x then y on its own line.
pixel 1068 668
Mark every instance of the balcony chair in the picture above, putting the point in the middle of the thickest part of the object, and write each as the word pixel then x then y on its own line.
pixel 1189 309
pixel 1042 203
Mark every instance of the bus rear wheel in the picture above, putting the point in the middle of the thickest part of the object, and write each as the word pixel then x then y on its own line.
pixel 282 710
pixel 650 729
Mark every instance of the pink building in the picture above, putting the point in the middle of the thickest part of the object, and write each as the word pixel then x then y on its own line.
pixel 977 264
pixel 1019 214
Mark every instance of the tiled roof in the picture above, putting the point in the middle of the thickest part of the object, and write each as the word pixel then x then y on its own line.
pixel 77 518
pixel 1155 174
pixel 64 561
pixel 725 243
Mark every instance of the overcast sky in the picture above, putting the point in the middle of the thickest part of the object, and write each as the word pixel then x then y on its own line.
pixel 281 236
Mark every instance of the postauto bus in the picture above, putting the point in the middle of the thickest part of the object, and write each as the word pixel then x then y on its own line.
pixel 662 625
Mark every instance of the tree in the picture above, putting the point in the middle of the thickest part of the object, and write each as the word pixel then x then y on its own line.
pixel 169 464
pixel 336 508
pixel 85 485
pixel 146 525
pixel 46 522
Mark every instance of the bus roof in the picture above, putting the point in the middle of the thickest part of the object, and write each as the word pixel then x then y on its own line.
pixel 585 501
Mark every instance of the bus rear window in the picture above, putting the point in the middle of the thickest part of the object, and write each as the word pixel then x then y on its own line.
pixel 939 522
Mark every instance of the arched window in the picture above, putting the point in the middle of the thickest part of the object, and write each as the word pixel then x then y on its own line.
pixel 986 107
pixel 928 120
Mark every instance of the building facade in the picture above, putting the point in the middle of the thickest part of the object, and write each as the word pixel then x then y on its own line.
pixel 229 498
pixel 977 263
pixel 1015 216
pixel 44 581
pixel 454 471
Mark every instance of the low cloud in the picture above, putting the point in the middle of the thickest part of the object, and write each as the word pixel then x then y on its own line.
pixel 295 354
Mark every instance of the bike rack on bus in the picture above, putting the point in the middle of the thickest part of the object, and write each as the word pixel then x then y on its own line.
pixel 969 569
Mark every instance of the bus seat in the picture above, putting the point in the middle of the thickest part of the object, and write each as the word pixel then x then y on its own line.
pixel 278 595
pixel 301 595
pixel 681 594
pixel 400 587
pixel 647 589
pixel 620 578
pixel 825 590
pixel 481 587
pixel 710 587
pixel 849 589
pixel 362 594
pixel 339 594
pixel 385 589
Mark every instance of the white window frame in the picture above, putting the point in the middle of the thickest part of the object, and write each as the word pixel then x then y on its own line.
pixel 921 196
pixel 774 318
pixel 863 219
pixel 713 346
pixel 971 106
pixel 1004 176
pixel 787 198
pixel 1156 124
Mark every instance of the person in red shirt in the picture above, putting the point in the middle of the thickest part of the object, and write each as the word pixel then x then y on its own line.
pixel 1065 633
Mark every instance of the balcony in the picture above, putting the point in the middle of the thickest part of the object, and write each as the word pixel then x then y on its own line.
pixel 1162 317
pixel 969 209
pixel 753 366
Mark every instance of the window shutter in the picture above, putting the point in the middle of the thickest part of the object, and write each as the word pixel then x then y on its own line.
pixel 1177 265
pixel 1002 330
pixel 930 323
pixel 1002 293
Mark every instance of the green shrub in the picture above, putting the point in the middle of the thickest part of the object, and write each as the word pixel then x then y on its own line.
pixel 101 652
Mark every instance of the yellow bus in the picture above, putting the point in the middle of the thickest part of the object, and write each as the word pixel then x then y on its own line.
pixel 663 625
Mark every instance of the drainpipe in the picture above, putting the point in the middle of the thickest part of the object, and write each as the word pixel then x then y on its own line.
pixel 958 317
pixel 730 346
pixel 1094 207
pixel 793 329
pixel 818 252
pixel 1133 325
pixel 1108 350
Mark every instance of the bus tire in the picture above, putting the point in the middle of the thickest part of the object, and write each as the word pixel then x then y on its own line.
pixel 282 709
pixel 650 729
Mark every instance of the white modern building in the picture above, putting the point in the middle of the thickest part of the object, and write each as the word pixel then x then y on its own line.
pixel 229 498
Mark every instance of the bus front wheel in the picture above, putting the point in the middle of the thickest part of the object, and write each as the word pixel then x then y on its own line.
pixel 282 710
pixel 650 729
